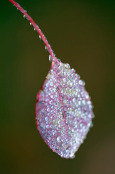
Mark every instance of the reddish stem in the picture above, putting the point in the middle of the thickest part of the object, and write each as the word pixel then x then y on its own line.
pixel 36 27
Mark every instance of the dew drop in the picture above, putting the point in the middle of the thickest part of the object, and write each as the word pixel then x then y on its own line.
pixel 39 37
pixel 58 139
pixel 50 58
pixel 46 48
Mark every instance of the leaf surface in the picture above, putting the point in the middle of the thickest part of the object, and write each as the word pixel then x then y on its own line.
pixel 63 110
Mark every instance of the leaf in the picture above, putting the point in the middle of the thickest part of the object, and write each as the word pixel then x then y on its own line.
pixel 63 110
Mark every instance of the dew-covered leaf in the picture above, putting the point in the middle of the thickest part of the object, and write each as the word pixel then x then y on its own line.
pixel 63 110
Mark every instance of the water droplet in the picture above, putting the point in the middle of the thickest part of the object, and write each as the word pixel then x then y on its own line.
pixel 72 155
pixel 51 83
pixel 39 37
pixel 67 65
pixel 46 48
pixel 58 139
pixel 50 58
pixel 42 125
pixel 73 70
pixel 74 100
pixel 81 82
pixel 46 119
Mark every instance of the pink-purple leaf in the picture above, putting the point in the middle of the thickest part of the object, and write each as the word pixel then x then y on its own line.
pixel 63 110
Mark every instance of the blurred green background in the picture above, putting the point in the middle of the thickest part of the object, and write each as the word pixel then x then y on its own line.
pixel 81 33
